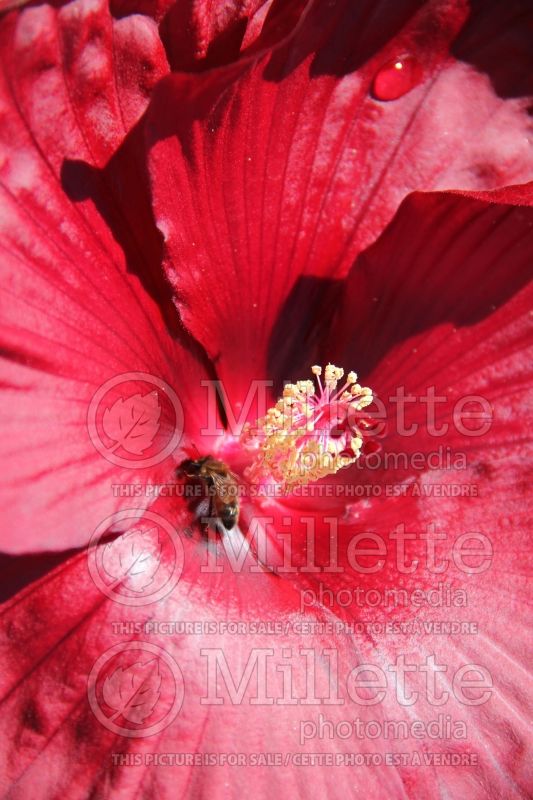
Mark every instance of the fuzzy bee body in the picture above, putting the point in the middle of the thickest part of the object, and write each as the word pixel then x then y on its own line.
pixel 222 487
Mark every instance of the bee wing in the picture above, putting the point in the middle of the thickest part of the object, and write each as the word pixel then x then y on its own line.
pixel 221 482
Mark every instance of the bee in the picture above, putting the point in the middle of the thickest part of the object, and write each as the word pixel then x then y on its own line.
pixel 222 485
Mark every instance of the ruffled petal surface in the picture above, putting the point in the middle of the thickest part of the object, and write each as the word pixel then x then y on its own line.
pixel 439 299
pixel 272 177
pixel 81 305
pixel 54 703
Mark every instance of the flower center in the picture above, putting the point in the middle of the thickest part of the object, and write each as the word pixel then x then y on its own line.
pixel 311 432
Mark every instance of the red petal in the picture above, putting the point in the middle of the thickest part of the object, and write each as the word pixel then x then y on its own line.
pixel 55 651
pixel 440 304
pixel 80 78
pixel 452 311
pixel 442 300
pixel 152 8
pixel 296 167
pixel 66 333
pixel 200 35
pixel 75 311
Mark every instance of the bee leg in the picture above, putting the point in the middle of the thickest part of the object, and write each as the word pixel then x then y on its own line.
pixel 205 521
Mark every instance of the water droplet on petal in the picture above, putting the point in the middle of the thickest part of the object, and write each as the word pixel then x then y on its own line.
pixel 397 77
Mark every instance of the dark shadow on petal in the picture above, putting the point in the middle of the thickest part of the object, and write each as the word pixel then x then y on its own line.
pixel 121 194
pixel 343 36
pixel 151 8
pixel 17 572
pixel 180 37
pixel 28 359
pixel 359 31
pixel 443 258
pixel 448 270
pixel 498 40
pixel 182 34
pixel 302 325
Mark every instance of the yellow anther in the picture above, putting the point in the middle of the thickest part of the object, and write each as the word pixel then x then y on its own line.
pixel 309 434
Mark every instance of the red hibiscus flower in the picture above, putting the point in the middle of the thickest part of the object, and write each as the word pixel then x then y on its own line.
pixel 199 203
